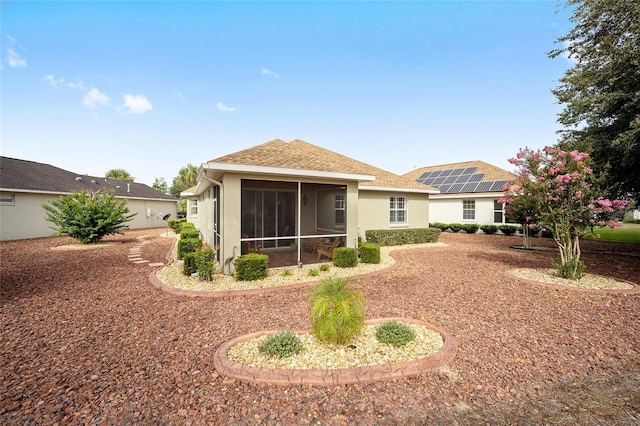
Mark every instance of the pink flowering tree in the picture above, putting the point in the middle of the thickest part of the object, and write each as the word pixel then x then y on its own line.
pixel 557 191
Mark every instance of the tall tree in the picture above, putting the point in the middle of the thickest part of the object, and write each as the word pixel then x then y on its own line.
pixel 601 91
pixel 119 174
pixel 159 184
pixel 187 177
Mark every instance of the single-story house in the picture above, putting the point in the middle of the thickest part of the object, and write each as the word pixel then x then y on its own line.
pixel 26 185
pixel 468 192
pixel 279 194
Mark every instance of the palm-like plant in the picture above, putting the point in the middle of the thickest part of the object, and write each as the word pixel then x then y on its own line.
pixel 337 312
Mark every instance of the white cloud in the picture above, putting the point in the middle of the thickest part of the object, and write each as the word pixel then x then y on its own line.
pixel 223 107
pixel 95 98
pixel 52 81
pixel 78 85
pixel 15 60
pixel 267 71
pixel 137 104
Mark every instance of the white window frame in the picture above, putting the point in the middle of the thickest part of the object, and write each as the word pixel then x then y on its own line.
pixel 340 204
pixel 397 207
pixel 468 209
pixel 498 210
pixel 193 207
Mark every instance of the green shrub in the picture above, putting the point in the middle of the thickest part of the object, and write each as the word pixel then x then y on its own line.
pixel 395 333
pixel 489 229
pixel 630 219
pixel 441 226
pixel 392 237
pixel 175 224
pixel 508 229
pixel 313 272
pixel 189 263
pixel 251 266
pixel 187 225
pixel 286 272
pixel 470 228
pixel 573 269
pixel 189 233
pixel 345 257
pixel 324 267
pixel 88 216
pixel 205 264
pixel 455 227
pixel 369 253
pixel 337 312
pixel 188 245
pixel 282 344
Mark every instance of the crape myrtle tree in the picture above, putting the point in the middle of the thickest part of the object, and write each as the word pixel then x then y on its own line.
pixel 600 93
pixel 88 216
pixel 559 193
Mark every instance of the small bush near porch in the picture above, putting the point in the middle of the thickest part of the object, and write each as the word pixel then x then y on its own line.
pixel 394 237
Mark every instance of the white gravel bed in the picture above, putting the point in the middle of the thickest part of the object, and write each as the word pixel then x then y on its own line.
pixel 589 281
pixel 362 350
pixel 171 275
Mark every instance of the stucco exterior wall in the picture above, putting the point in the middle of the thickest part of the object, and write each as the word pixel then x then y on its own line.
pixel 449 210
pixel 25 218
pixel 374 211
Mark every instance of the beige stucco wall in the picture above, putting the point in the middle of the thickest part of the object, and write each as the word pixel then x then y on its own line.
pixel 374 211
pixel 449 210
pixel 26 217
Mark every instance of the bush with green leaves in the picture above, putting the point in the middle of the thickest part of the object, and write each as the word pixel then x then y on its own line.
pixel 282 344
pixel 205 263
pixel 369 253
pixel 395 333
pixel 188 245
pixel 88 216
pixel 470 228
pixel 313 272
pixel 630 219
pixel 189 266
pixel 345 257
pixel 393 237
pixel 439 225
pixel 251 267
pixel 176 224
pixel 337 312
pixel 508 229
pixel 186 225
pixel 324 267
pixel 189 233
pixel 455 227
pixel 286 272
pixel 489 229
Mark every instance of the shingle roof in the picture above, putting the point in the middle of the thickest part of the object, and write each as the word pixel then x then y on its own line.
pixel 301 155
pixel 463 177
pixel 29 176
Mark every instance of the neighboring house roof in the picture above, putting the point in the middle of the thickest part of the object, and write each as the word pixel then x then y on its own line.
pixel 464 177
pixel 28 176
pixel 294 157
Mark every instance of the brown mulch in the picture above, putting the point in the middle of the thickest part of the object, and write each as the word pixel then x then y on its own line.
pixel 86 339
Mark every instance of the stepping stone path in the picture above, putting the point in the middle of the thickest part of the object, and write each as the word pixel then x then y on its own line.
pixel 135 253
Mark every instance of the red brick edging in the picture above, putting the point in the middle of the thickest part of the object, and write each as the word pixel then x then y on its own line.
pixel 362 374
pixel 634 290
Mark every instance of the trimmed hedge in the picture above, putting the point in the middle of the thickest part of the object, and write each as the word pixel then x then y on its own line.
pixel 441 226
pixel 508 229
pixel 251 267
pixel 455 227
pixel 188 245
pixel 187 225
pixel 394 237
pixel 189 233
pixel 369 253
pixel 189 266
pixel 205 263
pixel 345 257
pixel 175 224
pixel 489 229
pixel 470 228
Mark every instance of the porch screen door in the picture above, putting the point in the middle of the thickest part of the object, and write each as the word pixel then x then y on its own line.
pixel 268 214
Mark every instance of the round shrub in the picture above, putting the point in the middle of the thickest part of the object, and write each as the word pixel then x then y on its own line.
pixel 281 344
pixel 489 229
pixel 337 312
pixel 470 228
pixel 441 226
pixel 369 253
pixel 189 233
pixel 455 227
pixel 251 266
pixel 188 245
pixel 508 229
pixel 345 257
pixel 395 333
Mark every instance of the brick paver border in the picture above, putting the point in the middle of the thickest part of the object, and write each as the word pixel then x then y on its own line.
pixel 340 376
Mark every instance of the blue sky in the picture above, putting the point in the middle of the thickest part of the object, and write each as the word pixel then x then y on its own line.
pixel 152 86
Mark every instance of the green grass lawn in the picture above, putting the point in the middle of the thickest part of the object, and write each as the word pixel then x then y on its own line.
pixel 624 234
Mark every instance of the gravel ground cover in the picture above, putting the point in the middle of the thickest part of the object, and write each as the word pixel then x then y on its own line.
pixel 86 339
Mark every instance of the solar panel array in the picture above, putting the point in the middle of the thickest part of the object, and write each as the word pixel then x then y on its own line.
pixel 465 179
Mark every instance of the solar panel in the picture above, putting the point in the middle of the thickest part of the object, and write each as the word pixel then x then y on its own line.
pixel 424 175
pixel 451 179
pixel 498 185
pixel 438 181
pixel 456 188
pixel 428 181
pixel 463 179
pixel 476 178
pixel 469 170
pixel 444 188
pixel 484 186
pixel 446 172
pixel 457 171
pixel 436 173
pixel 469 187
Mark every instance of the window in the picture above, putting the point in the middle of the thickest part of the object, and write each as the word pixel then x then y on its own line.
pixel 7 199
pixel 193 207
pixel 340 209
pixel 468 209
pixel 397 210
pixel 498 212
